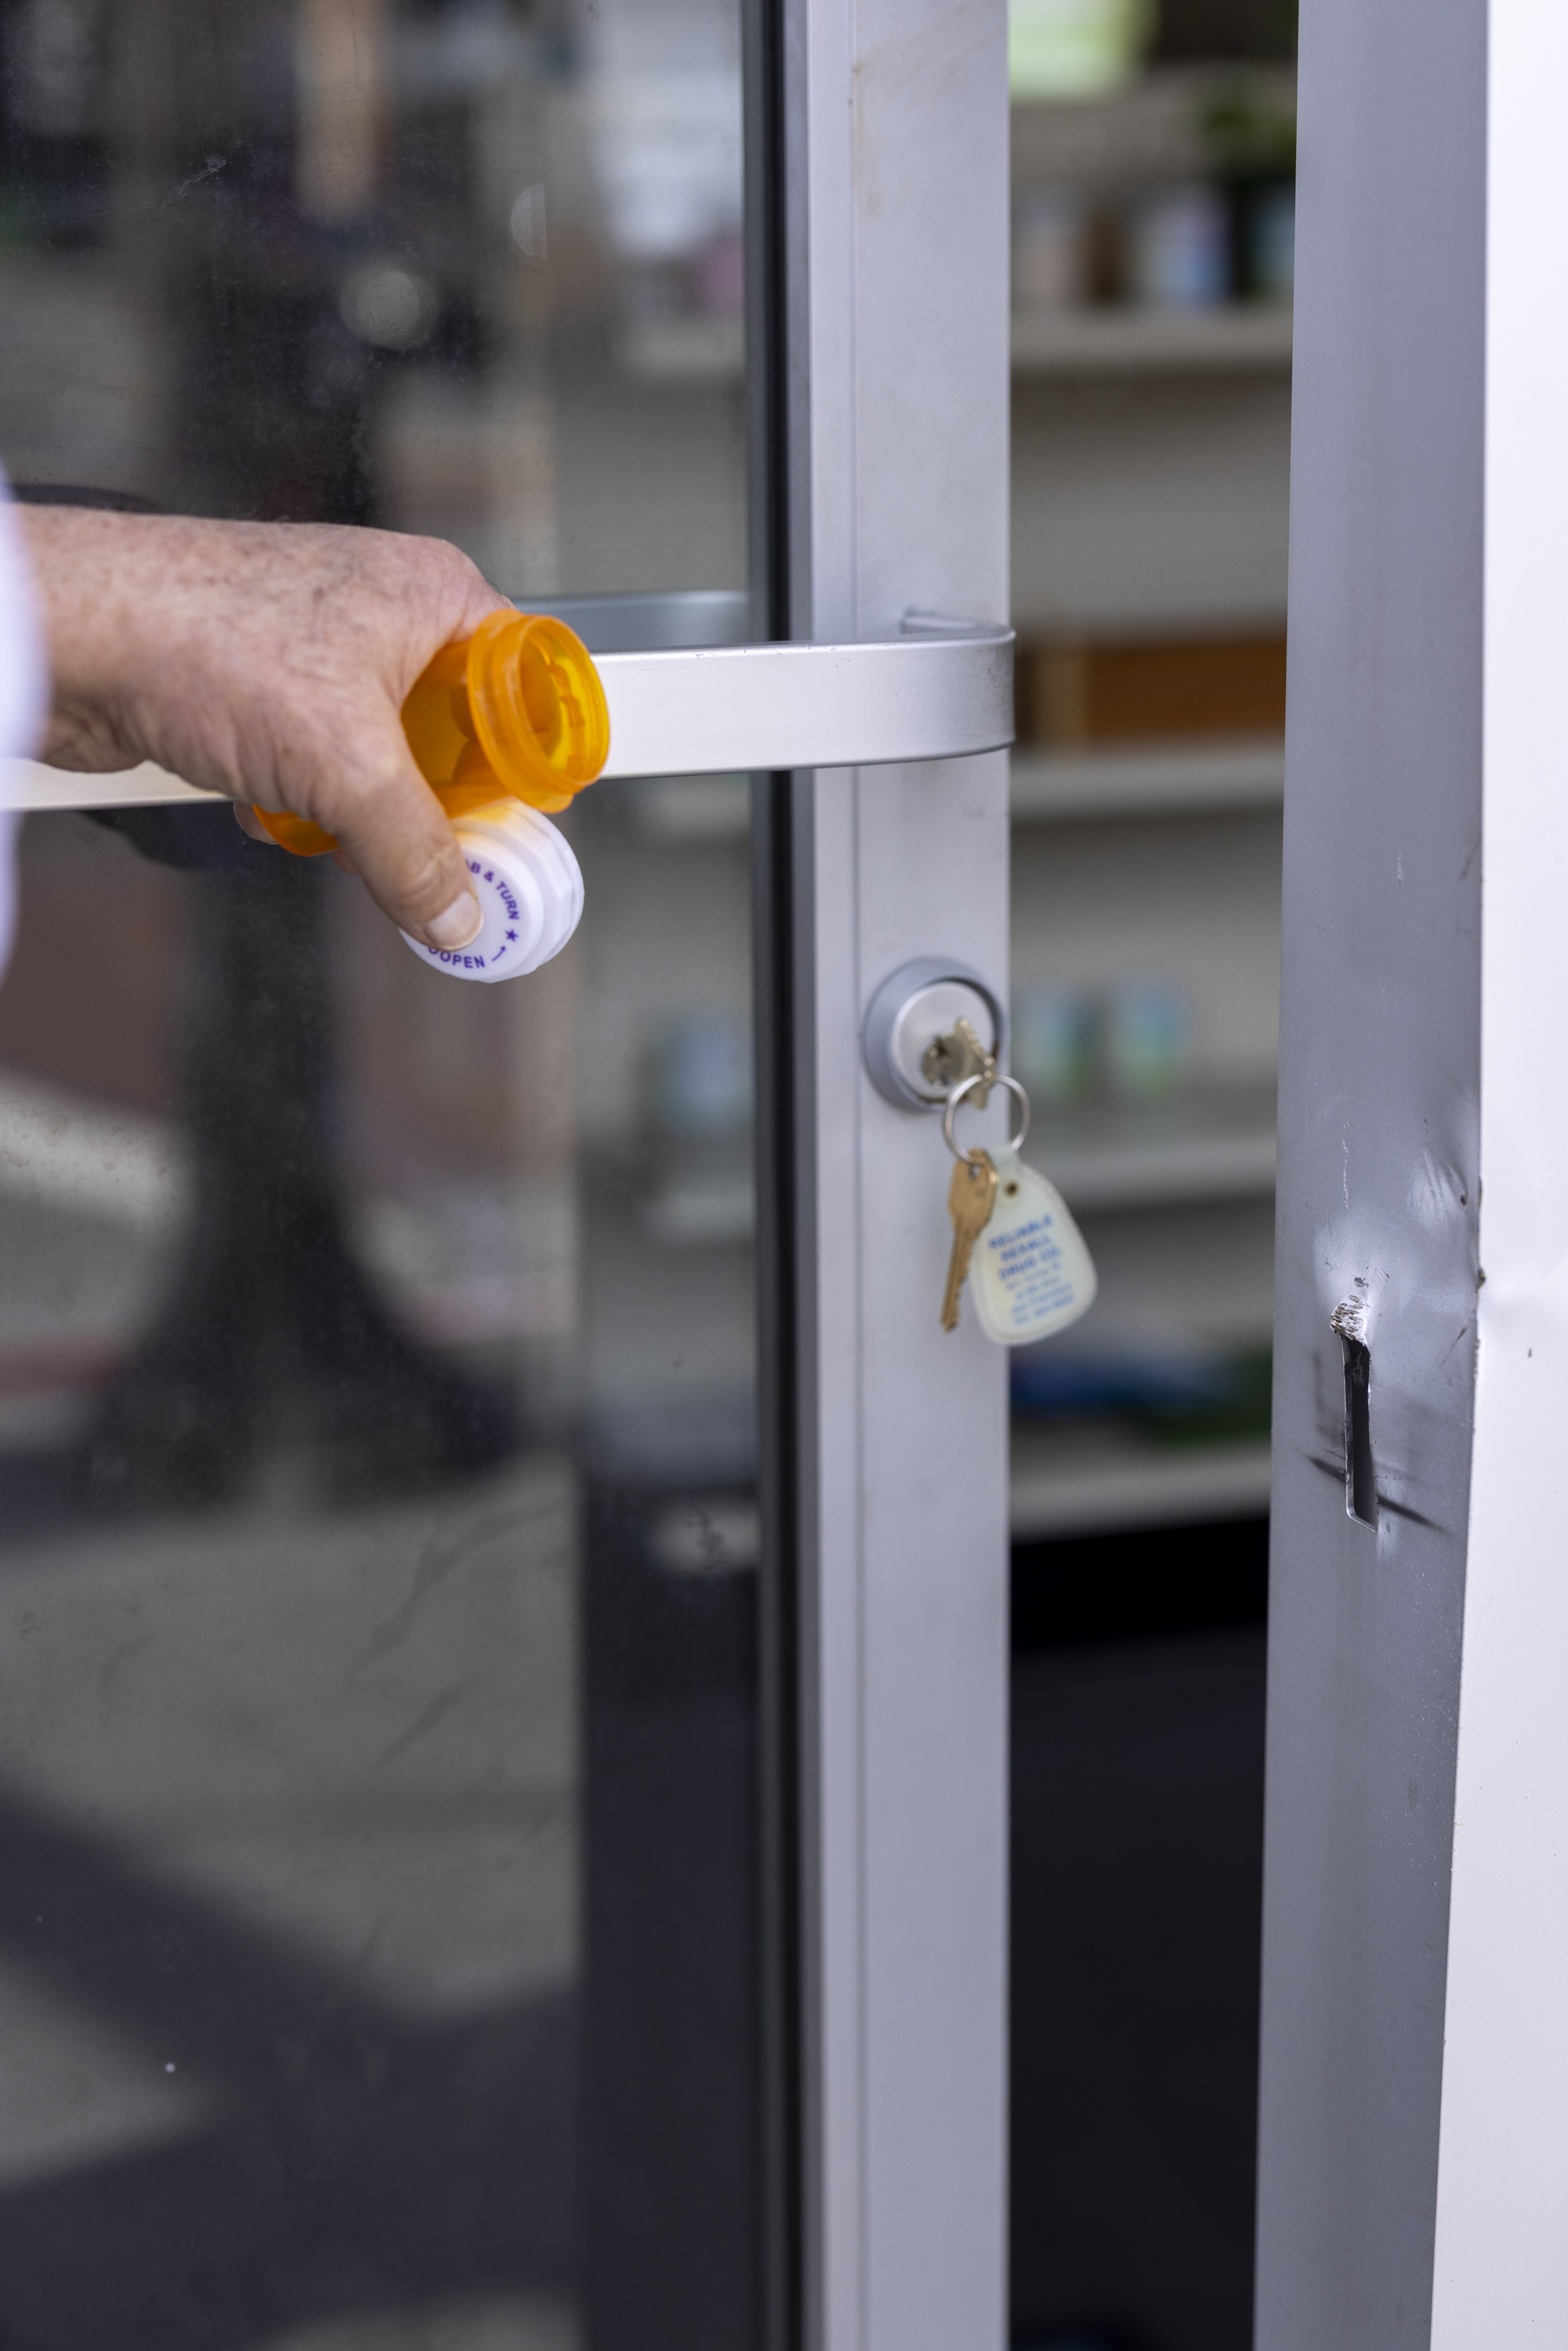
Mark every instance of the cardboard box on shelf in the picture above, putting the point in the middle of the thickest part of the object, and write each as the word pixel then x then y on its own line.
pixel 1149 689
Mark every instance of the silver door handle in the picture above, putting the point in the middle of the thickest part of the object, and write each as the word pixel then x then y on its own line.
pixel 934 693
pixel 940 690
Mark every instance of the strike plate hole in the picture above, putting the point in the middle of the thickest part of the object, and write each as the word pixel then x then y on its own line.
pixel 1360 1476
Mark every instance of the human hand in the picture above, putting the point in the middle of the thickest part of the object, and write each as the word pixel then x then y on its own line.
pixel 270 661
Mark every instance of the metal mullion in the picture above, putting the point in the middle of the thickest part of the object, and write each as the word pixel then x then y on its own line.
pixel 896 208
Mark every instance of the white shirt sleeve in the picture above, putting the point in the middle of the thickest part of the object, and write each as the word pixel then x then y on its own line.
pixel 23 694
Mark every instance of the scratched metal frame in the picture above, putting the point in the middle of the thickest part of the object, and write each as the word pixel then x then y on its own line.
pixel 1380 1072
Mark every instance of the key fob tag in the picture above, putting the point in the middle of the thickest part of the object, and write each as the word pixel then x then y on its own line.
pixel 1032 1273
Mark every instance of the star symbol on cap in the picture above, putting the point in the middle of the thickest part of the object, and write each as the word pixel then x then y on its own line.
pixel 512 936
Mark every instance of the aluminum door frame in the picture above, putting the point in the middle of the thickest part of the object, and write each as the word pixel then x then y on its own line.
pixel 1413 2150
pixel 894 418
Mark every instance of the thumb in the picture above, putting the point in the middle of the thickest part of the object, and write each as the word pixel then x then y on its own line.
pixel 397 834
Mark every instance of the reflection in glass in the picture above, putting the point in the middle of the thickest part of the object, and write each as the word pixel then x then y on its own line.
pixel 377 1536
pixel 445 264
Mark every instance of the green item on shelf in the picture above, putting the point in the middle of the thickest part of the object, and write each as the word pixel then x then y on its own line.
pixel 1075 49
pixel 1247 133
pixel 1242 1410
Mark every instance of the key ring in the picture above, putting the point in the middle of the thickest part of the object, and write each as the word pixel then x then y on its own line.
pixel 967 1085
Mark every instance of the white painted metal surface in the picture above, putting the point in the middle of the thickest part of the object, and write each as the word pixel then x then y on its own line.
pixel 1501 2260
pixel 720 710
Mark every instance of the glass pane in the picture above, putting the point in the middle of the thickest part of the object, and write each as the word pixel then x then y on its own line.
pixel 454 266
pixel 378 1632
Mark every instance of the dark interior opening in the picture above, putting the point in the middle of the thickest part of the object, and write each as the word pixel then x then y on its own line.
pixel 1137 1823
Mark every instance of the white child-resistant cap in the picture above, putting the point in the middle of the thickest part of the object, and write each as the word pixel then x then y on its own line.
pixel 530 888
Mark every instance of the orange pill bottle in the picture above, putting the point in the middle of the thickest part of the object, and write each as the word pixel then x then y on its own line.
pixel 518 709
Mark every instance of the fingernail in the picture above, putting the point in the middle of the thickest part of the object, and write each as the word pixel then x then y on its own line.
pixel 457 924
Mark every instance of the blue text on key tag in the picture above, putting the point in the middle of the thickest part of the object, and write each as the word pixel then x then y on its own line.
pixel 1032 1273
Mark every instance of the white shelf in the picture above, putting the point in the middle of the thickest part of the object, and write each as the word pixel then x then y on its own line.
pixel 684 350
pixel 1058 1491
pixel 1248 339
pixel 1157 779
pixel 1205 1150
pixel 683 809
pixel 707 1211
pixel 1210 1147
pixel 1245 340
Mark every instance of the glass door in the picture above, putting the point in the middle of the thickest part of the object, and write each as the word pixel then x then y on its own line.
pixel 502 1635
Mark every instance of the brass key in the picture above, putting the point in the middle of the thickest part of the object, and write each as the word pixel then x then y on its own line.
pixel 948 1061
pixel 971 1196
